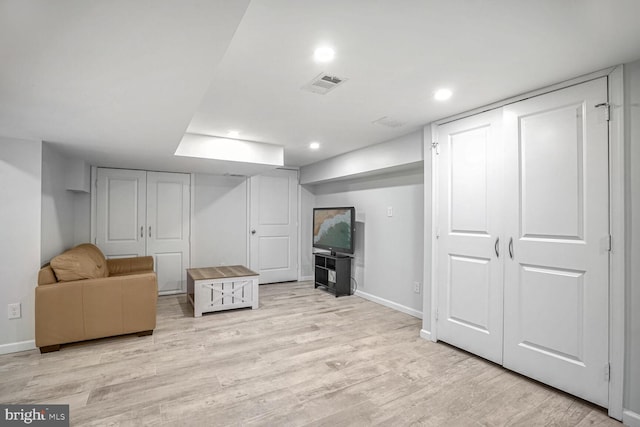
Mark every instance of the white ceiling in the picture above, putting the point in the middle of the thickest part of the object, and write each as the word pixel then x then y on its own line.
pixel 119 82
pixel 114 82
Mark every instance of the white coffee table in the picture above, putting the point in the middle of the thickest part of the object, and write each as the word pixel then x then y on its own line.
pixel 222 288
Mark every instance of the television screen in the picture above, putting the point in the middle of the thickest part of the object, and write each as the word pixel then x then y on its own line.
pixel 333 229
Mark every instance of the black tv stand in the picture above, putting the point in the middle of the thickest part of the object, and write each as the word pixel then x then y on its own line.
pixel 333 272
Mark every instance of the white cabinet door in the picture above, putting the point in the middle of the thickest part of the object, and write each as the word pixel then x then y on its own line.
pixel 146 213
pixel 470 269
pixel 120 212
pixel 556 279
pixel 274 227
pixel 167 230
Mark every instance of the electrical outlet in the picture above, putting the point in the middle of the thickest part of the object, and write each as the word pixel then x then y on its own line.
pixel 416 287
pixel 13 311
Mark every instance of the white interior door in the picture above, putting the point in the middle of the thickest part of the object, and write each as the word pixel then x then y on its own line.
pixel 470 269
pixel 274 228
pixel 167 231
pixel 120 216
pixel 146 213
pixel 556 281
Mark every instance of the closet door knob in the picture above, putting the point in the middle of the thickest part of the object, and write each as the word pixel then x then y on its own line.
pixel 141 231
pixel 496 247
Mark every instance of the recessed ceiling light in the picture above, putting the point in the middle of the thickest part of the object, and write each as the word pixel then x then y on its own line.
pixel 324 54
pixel 442 94
pixel 233 134
pixel 314 145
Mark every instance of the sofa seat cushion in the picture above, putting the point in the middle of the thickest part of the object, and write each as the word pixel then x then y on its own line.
pixel 85 261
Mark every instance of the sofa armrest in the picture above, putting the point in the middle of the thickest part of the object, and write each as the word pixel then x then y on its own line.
pixel 46 276
pixel 120 266
pixel 58 310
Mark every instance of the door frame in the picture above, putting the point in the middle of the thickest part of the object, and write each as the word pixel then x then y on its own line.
pixel 617 277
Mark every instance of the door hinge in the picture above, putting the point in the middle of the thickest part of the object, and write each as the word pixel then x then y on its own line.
pixel 435 147
pixel 607 372
pixel 609 243
pixel 607 110
pixel 436 314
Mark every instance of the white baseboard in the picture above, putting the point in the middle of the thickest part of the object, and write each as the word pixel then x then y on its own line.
pixel 167 293
pixel 304 278
pixel 15 347
pixel 630 418
pixel 425 334
pixel 408 310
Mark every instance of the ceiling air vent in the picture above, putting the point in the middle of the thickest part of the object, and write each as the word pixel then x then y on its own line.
pixel 389 122
pixel 323 83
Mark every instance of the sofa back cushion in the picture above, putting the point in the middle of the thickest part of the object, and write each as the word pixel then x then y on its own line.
pixel 85 261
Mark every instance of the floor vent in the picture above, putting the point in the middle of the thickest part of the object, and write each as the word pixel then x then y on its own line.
pixel 323 84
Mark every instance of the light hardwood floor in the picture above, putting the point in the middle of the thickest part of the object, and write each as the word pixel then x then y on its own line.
pixel 303 358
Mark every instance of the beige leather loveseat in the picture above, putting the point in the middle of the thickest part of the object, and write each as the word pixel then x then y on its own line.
pixel 81 296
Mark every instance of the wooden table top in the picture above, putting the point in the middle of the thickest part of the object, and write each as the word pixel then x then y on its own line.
pixel 221 272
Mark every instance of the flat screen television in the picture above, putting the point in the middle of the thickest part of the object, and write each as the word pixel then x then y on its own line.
pixel 334 229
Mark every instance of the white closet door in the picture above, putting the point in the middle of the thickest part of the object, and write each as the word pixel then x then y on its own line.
pixel 274 226
pixel 120 212
pixel 470 269
pixel 167 231
pixel 556 282
pixel 146 213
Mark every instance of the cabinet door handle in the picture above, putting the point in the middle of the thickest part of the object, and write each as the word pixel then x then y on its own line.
pixel 141 231
pixel 496 247
pixel 149 231
pixel 511 248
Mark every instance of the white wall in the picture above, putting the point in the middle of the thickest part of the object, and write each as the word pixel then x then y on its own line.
pixel 389 250
pixel 399 153
pixel 20 175
pixel 58 205
pixel 66 215
pixel 82 218
pixel 219 229
pixel 632 202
